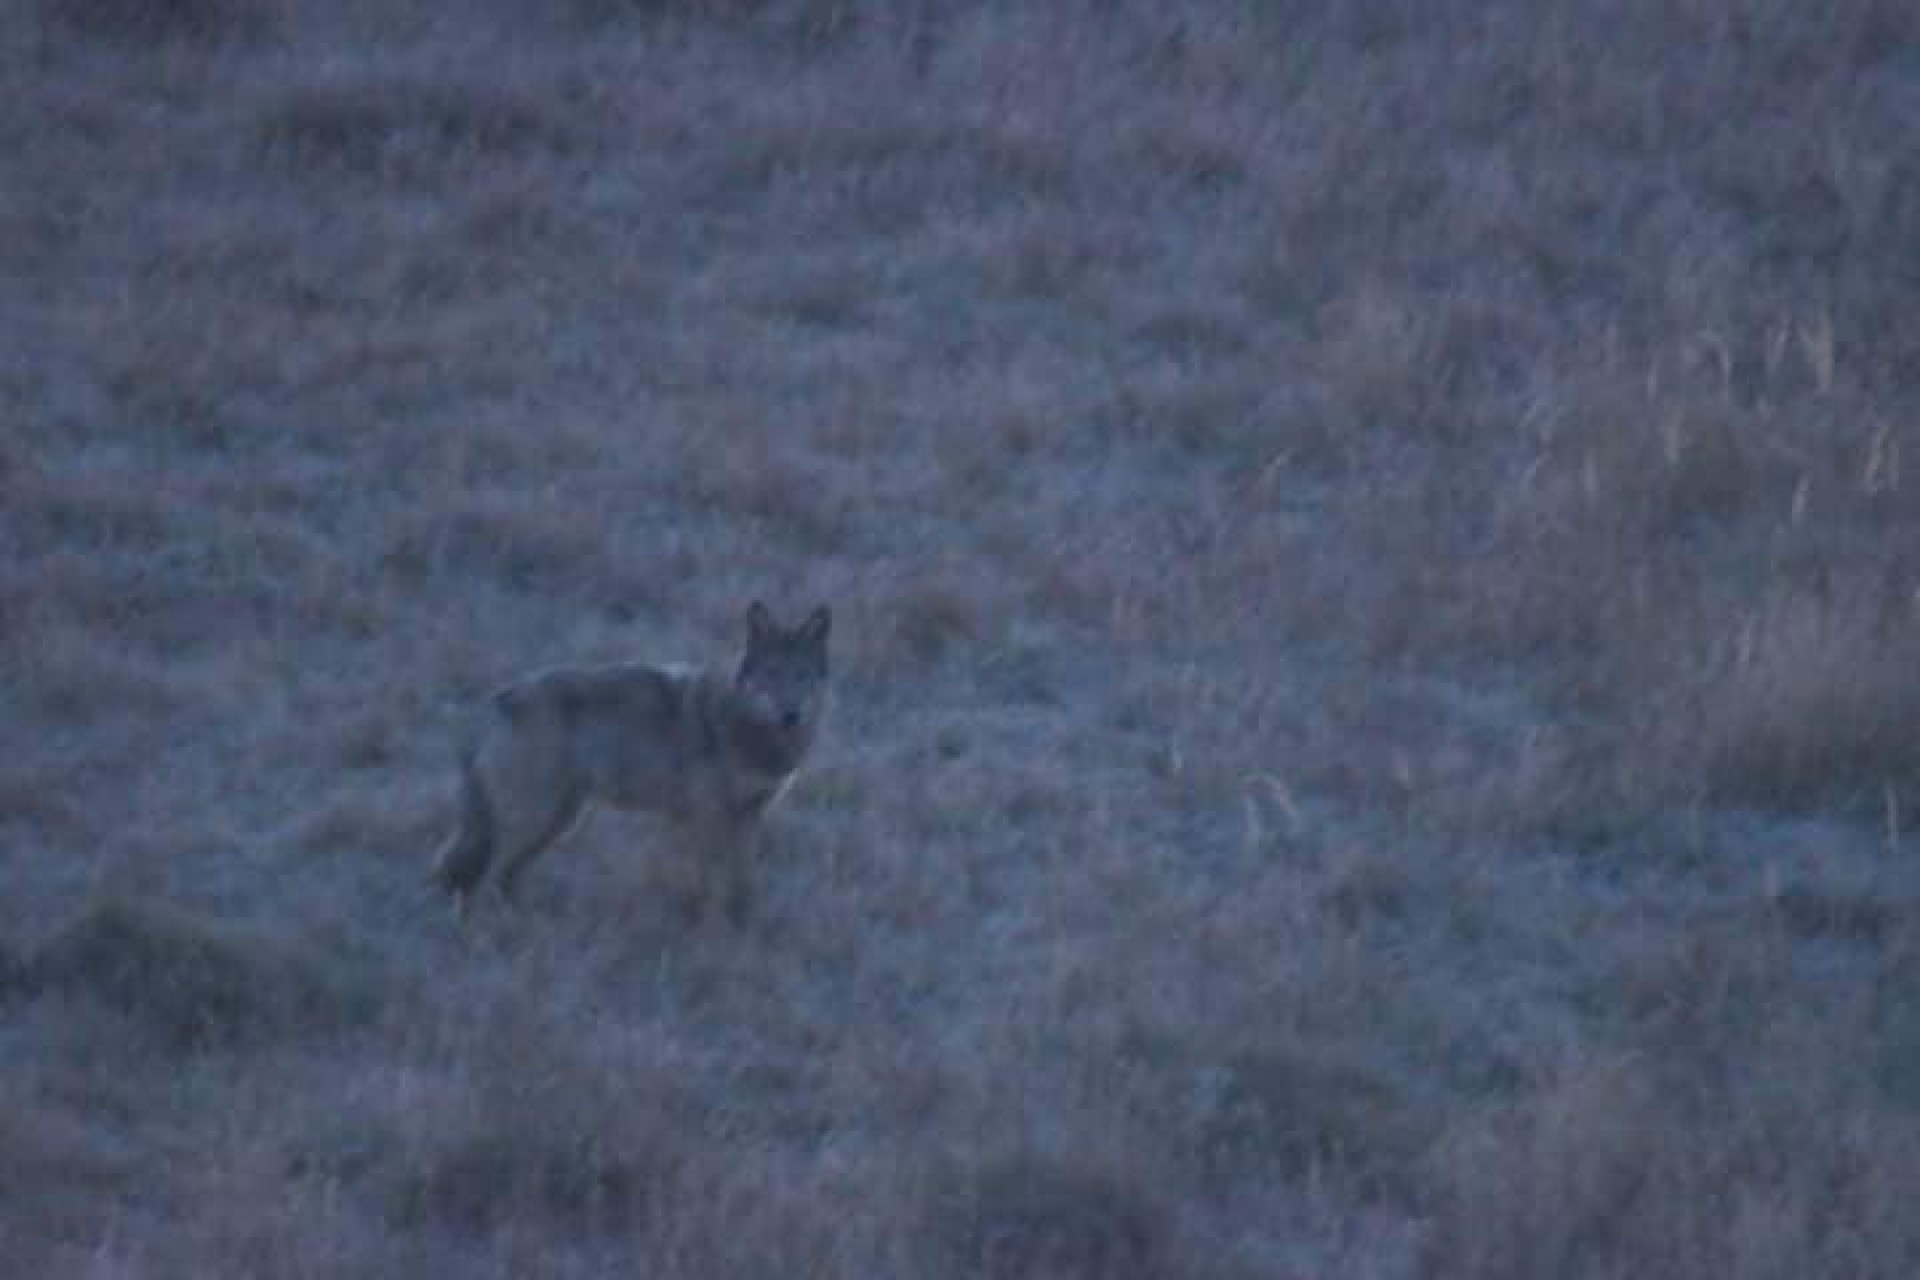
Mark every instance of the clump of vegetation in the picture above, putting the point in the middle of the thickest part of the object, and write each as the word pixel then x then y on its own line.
pixel 195 981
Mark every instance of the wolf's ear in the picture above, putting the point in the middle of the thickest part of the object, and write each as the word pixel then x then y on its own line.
pixel 814 630
pixel 759 621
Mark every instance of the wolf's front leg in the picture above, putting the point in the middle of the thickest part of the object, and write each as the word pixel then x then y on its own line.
pixel 726 849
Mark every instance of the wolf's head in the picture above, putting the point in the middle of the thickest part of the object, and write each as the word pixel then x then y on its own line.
pixel 783 674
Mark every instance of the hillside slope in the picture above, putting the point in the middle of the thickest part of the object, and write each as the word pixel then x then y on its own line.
pixel 1374 565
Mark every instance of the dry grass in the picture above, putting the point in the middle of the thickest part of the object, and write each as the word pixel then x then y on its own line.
pixel 1376 554
pixel 1597 1173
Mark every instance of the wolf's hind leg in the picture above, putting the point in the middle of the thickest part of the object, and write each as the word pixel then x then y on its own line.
pixel 565 817
pixel 463 860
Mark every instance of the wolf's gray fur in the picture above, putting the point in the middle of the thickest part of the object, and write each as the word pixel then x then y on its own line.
pixel 706 752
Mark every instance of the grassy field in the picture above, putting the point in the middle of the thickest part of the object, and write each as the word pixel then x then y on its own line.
pixel 1374 567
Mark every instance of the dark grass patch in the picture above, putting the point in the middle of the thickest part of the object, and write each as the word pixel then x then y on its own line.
pixel 783 495
pixel 1705 994
pixel 355 821
pixel 1298 1112
pixel 525 543
pixel 12 973
pixel 482 1180
pixel 1860 915
pixel 405 126
pixel 1366 885
pixel 548 1136
pixel 1268 1109
pixel 825 295
pixel 1041 257
pixel 86 677
pixel 133 24
pixel 55 1170
pixel 837 164
pixel 38 799
pixel 197 982
pixel 1679 453
pixel 933 618
pixel 796 26
pixel 100 508
pixel 1550 1185
pixel 1192 414
pixel 1032 1214
pixel 1376 353
pixel 1894 1013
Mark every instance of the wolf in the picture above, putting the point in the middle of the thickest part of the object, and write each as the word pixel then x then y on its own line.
pixel 708 753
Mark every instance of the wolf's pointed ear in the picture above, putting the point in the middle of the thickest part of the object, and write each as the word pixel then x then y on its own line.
pixel 759 621
pixel 814 630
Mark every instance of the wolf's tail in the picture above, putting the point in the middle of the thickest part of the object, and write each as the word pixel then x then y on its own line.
pixel 463 859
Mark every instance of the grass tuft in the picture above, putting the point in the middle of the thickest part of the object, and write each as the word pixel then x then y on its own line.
pixel 1812 703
